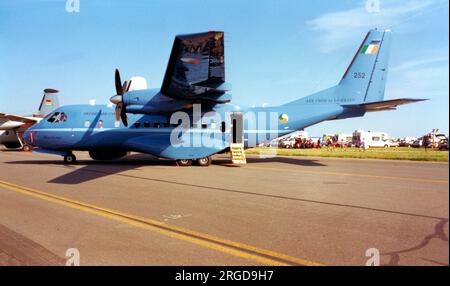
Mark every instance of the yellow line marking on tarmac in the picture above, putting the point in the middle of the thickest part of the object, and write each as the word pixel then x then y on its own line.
pixel 349 175
pixel 241 250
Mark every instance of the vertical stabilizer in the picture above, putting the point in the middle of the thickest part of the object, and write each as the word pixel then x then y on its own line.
pixel 50 101
pixel 365 78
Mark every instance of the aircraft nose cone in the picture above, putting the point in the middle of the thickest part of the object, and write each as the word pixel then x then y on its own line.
pixel 27 137
pixel 116 99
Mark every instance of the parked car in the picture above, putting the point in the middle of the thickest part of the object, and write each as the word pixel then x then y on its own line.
pixel 287 143
pixel 417 143
pixel 303 143
pixel 406 142
pixel 443 145
pixel 391 143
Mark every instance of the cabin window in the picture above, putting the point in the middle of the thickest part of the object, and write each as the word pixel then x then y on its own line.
pixel 223 127
pixel 137 125
pixel 166 124
pixel 204 125
pixel 157 124
pixel 147 124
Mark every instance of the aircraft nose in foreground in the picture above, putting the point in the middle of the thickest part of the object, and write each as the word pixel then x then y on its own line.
pixel 27 136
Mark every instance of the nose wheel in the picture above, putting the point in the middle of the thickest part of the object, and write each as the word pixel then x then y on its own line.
pixel 70 158
pixel 27 148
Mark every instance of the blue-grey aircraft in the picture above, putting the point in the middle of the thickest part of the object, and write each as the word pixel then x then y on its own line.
pixel 191 116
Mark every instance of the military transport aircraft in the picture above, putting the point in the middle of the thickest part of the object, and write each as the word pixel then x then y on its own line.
pixel 12 127
pixel 191 116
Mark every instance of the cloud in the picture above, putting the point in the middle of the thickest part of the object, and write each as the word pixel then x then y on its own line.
pixel 419 63
pixel 422 82
pixel 338 28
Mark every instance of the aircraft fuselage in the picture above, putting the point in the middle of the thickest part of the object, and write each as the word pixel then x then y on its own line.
pixel 95 127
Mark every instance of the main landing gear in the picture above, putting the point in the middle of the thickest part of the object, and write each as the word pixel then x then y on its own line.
pixel 202 162
pixel 70 158
pixel 184 163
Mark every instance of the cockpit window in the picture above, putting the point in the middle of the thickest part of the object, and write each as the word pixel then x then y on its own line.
pixel 53 117
pixel 58 117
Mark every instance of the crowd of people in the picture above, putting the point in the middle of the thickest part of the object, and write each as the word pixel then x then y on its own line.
pixel 327 141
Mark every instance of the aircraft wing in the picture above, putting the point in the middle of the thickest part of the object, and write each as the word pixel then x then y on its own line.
pixel 382 105
pixel 196 68
pixel 16 118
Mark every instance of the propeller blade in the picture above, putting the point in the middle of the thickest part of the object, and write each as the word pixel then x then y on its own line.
pixel 128 85
pixel 125 86
pixel 118 81
pixel 123 115
pixel 121 112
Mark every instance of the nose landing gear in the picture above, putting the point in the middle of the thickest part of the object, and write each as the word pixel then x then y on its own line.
pixel 27 148
pixel 70 158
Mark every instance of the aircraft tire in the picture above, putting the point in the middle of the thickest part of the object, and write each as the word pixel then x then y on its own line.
pixel 27 148
pixel 204 162
pixel 70 158
pixel 184 163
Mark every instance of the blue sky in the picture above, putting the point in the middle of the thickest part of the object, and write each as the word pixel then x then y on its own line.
pixel 276 51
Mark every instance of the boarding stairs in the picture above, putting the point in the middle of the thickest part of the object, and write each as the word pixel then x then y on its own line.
pixel 238 153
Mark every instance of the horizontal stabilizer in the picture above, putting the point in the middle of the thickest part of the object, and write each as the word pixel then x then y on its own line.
pixel 223 98
pixel 382 105
pixel 16 118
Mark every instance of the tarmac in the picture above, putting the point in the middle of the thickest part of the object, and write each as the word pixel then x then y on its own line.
pixel 274 211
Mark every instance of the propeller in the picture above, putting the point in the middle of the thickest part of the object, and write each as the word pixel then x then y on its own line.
pixel 121 111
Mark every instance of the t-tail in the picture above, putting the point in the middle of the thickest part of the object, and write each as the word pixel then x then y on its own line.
pixel 365 78
pixel 50 101
pixel 363 84
pixel 364 81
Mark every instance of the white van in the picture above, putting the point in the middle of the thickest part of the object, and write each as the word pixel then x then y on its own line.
pixel 372 139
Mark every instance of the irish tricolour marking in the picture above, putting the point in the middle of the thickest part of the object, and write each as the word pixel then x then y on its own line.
pixel 372 48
